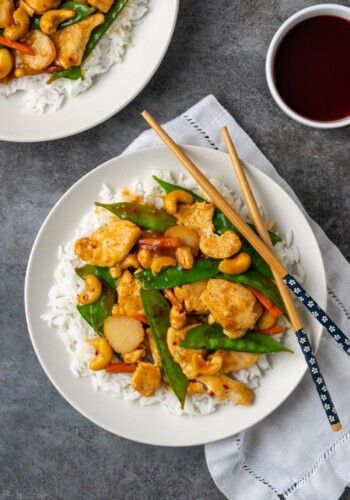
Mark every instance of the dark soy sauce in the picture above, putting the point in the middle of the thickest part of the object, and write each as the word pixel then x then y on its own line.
pixel 312 68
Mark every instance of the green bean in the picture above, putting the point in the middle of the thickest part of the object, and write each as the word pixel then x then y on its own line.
pixel 157 311
pixel 212 337
pixel 143 215
pixel 175 276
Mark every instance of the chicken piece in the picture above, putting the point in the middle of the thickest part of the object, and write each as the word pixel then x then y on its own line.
pixel 197 217
pixel 153 348
pixel 220 247
pixel 110 244
pixel 6 11
pixel 101 5
pixel 190 295
pixel 129 300
pixel 224 388
pixel 232 305
pixel 232 361
pixel 44 50
pixel 195 388
pixel 41 6
pixel 146 379
pixel 181 355
pixel 71 41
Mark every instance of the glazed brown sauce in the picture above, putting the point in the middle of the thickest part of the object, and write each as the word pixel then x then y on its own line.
pixel 312 68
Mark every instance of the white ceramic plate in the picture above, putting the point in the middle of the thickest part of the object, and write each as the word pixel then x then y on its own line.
pixel 109 93
pixel 152 424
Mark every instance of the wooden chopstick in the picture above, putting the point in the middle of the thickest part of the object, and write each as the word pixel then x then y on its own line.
pixel 265 252
pixel 217 199
pixel 282 287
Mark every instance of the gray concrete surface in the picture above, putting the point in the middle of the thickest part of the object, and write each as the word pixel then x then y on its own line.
pixel 47 449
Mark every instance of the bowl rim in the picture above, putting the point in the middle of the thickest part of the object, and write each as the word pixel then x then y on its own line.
pixel 313 11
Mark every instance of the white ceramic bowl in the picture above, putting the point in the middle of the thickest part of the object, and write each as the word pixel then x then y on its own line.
pixel 316 10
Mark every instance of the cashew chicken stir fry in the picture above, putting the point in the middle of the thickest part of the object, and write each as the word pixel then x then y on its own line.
pixel 177 298
pixel 51 36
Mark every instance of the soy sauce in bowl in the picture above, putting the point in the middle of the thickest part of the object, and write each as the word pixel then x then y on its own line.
pixel 312 68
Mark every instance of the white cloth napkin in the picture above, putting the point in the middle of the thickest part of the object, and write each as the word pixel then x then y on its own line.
pixel 293 452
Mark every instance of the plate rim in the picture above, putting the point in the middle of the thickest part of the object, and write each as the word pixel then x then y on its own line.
pixel 315 342
pixel 83 128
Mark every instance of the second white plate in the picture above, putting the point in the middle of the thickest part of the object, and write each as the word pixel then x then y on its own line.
pixel 109 93
pixel 152 424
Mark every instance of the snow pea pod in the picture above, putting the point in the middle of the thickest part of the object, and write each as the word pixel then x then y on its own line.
pixel 82 10
pixel 222 224
pixel 96 313
pixel 70 73
pixel 157 311
pixel 176 276
pixel 142 215
pixel 260 282
pixel 212 337
pixel 99 31
pixel 101 272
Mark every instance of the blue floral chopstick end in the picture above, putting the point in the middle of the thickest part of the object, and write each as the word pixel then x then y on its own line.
pixel 317 312
pixel 317 377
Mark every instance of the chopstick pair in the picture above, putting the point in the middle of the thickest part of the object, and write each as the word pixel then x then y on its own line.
pixel 279 271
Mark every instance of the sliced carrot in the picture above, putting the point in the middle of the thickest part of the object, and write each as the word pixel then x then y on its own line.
pixel 120 368
pixel 272 331
pixel 170 295
pixel 142 318
pixel 16 46
pixel 266 302
pixel 161 242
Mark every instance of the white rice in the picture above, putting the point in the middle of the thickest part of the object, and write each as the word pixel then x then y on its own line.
pixel 39 97
pixel 73 330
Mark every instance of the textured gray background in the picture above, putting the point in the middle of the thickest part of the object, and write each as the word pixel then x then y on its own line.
pixel 47 449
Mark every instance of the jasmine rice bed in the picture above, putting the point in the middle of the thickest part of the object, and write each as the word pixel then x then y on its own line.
pixel 72 329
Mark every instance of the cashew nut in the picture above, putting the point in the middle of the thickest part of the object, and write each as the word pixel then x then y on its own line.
pixel 27 8
pixel 104 355
pixel 145 257
pixel 237 265
pixel 187 237
pixel 207 367
pixel 266 320
pixel 159 263
pixel 129 261
pixel 184 257
pixel 172 199
pixel 21 26
pixel 177 318
pixel 92 292
pixel 51 19
pixel 220 247
pixel 6 63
